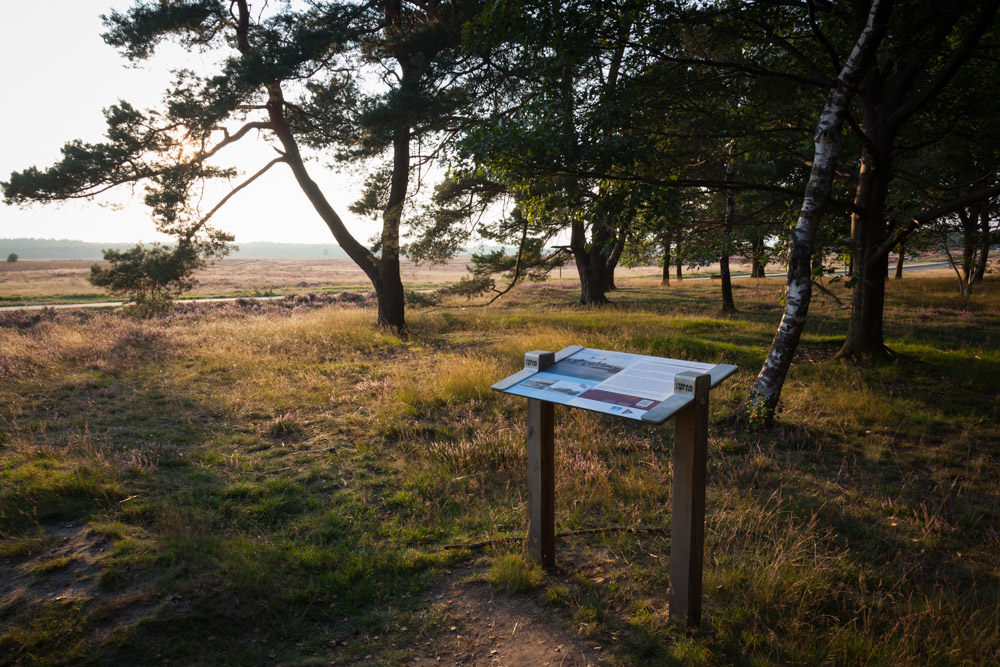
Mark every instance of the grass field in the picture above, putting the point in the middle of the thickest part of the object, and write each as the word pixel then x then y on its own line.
pixel 263 483
pixel 47 282
pixel 40 282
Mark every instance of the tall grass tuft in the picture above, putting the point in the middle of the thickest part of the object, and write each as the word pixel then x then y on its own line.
pixel 512 573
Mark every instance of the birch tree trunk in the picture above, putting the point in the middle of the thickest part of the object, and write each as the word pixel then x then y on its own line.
pixel 763 399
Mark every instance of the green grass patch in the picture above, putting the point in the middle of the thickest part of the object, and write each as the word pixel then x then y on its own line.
pixel 513 573
pixel 19 548
pixel 50 565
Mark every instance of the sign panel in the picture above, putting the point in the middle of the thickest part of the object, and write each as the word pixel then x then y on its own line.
pixel 615 383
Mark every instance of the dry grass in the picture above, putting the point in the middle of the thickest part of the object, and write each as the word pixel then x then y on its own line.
pixel 65 281
pixel 51 281
pixel 288 478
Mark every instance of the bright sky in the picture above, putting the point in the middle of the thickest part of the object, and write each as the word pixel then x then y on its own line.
pixel 59 75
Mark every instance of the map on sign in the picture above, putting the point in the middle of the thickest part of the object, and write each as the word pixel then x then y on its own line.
pixel 616 383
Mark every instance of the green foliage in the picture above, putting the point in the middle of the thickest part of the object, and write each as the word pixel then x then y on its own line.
pixel 459 206
pixel 12 257
pixel 151 276
pixel 530 263
pixel 758 414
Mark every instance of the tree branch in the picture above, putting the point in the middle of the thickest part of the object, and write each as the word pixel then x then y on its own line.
pixel 517 265
pixel 233 138
pixel 824 42
pixel 957 59
pixel 931 214
pixel 231 193
pixel 726 64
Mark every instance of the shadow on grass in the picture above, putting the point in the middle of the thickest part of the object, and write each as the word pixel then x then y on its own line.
pixel 244 559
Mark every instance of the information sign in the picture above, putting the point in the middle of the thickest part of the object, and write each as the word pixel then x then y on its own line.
pixel 633 386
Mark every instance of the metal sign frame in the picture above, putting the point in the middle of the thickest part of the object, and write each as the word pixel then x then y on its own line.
pixel 687 404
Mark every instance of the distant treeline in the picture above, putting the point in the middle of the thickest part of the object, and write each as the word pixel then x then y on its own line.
pixel 68 249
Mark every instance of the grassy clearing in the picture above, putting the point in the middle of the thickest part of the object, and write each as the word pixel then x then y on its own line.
pixel 279 486
pixel 47 282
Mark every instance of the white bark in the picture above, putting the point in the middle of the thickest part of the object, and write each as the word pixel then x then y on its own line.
pixel 767 388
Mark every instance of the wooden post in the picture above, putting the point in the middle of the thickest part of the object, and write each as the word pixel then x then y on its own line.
pixel 687 522
pixel 541 482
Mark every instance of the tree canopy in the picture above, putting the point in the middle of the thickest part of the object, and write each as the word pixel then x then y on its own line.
pixel 636 128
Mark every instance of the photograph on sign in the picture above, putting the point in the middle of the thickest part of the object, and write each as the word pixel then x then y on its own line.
pixel 617 383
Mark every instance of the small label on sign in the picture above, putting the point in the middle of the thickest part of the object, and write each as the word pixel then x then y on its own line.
pixel 683 387
pixel 531 363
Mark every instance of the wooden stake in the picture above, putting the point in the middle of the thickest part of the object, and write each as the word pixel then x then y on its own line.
pixel 687 528
pixel 541 482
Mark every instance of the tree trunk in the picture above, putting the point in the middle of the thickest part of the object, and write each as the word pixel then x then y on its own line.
pixel 975 247
pixel 680 262
pixel 591 263
pixel 384 277
pixel 728 305
pixel 900 260
pixel 758 259
pixel 891 97
pixel 665 281
pixel 391 304
pixel 389 288
pixel 383 273
pixel 594 286
pixel 984 243
pixel 763 399
pixel 970 244
pixel 618 249
pixel 864 338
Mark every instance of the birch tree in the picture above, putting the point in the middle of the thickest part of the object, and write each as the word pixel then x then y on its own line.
pixel 766 391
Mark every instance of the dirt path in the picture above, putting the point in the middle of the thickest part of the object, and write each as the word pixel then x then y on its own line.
pixel 483 628
pixel 64 570
pixel 467 623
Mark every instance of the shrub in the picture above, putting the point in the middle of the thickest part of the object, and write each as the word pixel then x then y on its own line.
pixel 152 276
pixel 13 257
pixel 285 426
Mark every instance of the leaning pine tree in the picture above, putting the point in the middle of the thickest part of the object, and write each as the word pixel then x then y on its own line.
pixel 343 81
pixel 766 391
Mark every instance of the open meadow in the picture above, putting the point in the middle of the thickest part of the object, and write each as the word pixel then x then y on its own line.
pixel 39 282
pixel 43 282
pixel 280 483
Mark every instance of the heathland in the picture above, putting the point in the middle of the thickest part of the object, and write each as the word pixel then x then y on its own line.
pixel 280 483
